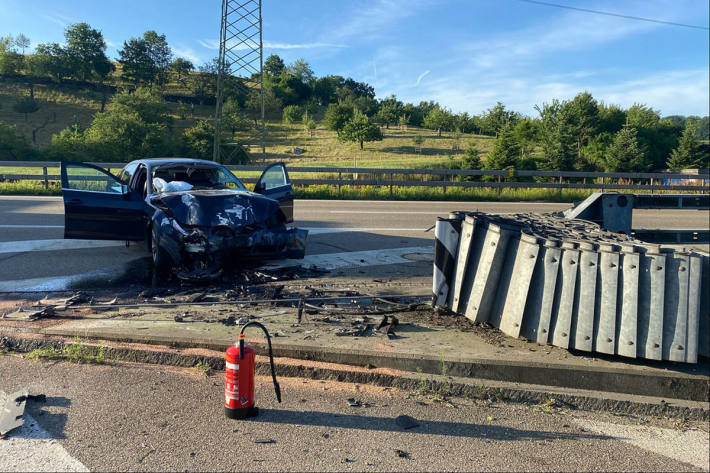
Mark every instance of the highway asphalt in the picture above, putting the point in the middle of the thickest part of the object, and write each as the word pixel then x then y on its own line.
pixel 31 229
pixel 130 417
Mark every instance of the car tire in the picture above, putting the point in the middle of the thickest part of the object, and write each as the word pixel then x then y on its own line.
pixel 159 257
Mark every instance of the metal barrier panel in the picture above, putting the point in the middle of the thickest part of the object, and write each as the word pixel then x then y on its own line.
pixel 483 291
pixel 446 241
pixel 704 313
pixel 504 280
pixel 694 282
pixel 627 303
pixel 514 284
pixel 564 295
pixel 480 231
pixel 541 295
pixel 518 290
pixel 606 294
pixel 675 307
pixel 468 228
pixel 582 326
pixel 652 277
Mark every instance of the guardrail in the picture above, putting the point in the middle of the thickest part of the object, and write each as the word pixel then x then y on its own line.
pixel 448 177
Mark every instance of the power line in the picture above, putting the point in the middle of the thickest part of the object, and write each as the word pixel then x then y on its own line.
pixel 586 10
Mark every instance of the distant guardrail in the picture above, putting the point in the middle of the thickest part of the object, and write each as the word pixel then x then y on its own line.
pixel 395 177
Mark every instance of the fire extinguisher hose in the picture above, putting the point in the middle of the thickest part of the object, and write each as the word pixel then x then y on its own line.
pixel 277 388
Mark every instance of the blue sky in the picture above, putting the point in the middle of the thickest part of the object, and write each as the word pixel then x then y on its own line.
pixel 465 54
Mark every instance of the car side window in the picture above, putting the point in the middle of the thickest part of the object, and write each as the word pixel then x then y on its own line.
pixel 273 177
pixel 127 173
pixel 85 178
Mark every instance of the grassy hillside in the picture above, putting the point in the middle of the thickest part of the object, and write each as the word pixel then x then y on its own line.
pixel 62 106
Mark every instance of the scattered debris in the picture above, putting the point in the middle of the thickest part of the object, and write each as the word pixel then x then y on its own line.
pixel 352 402
pixel 406 422
pixel 41 314
pixel 265 441
pixel 402 454
pixel 78 298
pixel 229 321
pixel 111 302
pixel 12 414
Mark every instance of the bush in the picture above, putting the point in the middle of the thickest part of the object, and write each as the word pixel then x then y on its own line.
pixel 292 114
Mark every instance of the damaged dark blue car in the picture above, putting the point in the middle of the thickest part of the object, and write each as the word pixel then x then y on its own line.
pixel 194 215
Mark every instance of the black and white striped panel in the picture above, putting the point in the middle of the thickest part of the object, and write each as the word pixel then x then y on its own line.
pixel 446 236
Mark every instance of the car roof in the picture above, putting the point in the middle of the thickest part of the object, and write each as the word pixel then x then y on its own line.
pixel 160 161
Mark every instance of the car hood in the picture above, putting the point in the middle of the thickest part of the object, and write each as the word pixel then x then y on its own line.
pixel 212 208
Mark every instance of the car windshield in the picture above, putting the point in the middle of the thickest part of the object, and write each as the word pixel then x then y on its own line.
pixel 177 177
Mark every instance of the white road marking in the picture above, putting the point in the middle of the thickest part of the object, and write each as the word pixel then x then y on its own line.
pixel 690 446
pixel 31 448
pixel 31 226
pixel 327 230
pixel 54 245
pixel 353 259
pixel 327 261
pixel 388 212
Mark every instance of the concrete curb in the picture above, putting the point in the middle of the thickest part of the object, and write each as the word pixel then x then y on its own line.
pixel 669 385
pixel 431 384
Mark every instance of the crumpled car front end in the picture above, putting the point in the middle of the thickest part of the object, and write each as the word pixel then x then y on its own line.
pixel 202 230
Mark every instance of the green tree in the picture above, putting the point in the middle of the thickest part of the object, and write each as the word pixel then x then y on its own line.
pixel 301 70
pixel 181 67
pixel 146 60
pixel 625 154
pixel 324 89
pixel 311 127
pixel 387 114
pixel 11 62
pixel 272 104
pixel 506 151
pixel 135 126
pixel 22 42
pixel 584 112
pixel 472 156
pixel 655 136
pixel 687 154
pixel 359 129
pixel 527 134
pixel 292 114
pixel 494 119
pixel 50 59
pixel 234 117
pixel 86 52
pixel 337 115
pixel 14 145
pixel 26 105
pixel 274 65
pixel 439 119
pixel 198 141
pixel 558 139
pixel 68 145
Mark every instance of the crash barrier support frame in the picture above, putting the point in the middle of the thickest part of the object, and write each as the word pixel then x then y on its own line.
pixel 594 291
pixel 448 177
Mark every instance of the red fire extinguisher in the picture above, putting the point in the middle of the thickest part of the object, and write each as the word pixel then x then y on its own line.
pixel 239 377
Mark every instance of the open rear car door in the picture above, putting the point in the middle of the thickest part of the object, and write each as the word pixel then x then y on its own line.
pixel 98 206
pixel 275 184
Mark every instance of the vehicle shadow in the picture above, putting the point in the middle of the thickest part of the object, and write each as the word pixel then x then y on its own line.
pixel 425 427
pixel 52 422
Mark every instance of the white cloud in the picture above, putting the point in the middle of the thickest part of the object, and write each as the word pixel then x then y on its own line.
pixel 372 21
pixel 188 53
pixel 422 76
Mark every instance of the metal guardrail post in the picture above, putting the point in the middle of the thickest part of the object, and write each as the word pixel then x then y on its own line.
pixel 44 174
pixel 564 295
pixel 340 178
pixel 391 182
pixel 607 288
pixel 627 303
pixel 500 188
pixel 650 303
pixel 582 327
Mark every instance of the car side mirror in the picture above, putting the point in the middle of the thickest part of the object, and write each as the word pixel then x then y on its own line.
pixel 125 191
pixel 258 187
